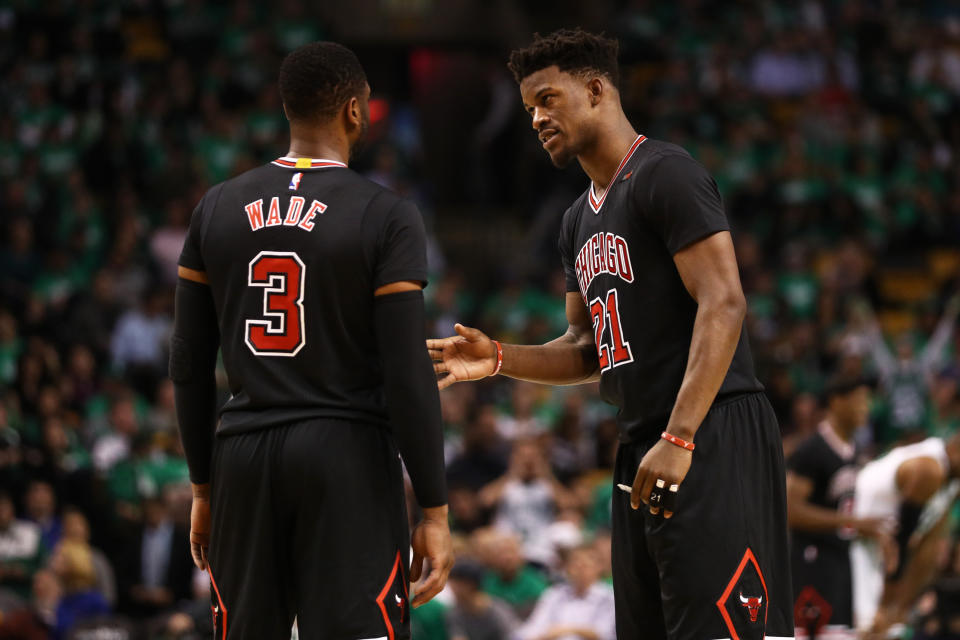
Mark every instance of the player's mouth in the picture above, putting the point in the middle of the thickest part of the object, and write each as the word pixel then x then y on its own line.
pixel 547 135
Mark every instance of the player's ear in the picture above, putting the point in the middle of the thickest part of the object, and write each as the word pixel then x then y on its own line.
pixel 353 113
pixel 595 90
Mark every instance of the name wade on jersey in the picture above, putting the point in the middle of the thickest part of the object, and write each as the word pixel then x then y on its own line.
pixel 603 252
pixel 295 216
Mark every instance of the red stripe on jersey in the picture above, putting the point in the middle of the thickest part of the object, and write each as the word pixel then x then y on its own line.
pixel 597 202
pixel 314 163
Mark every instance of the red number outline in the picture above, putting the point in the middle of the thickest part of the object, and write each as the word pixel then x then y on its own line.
pixel 621 348
pixel 606 312
pixel 277 305
pixel 599 313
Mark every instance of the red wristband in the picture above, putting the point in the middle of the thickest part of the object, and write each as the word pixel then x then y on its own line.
pixel 680 442
pixel 499 366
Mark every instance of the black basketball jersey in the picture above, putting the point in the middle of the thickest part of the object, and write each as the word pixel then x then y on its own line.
pixel 831 465
pixel 617 252
pixel 293 251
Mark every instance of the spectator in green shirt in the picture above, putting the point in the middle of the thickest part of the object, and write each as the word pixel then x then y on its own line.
pixel 509 577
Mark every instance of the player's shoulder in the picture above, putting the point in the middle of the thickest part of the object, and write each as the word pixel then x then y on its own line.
pixel 655 153
pixel 571 216
pixel 812 448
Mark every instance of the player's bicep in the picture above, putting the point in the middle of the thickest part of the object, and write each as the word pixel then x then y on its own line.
pixel 397 287
pixel 799 488
pixel 708 269
pixel 918 479
pixel 578 318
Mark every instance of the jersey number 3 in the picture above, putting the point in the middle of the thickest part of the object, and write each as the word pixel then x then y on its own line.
pixel 280 274
pixel 605 312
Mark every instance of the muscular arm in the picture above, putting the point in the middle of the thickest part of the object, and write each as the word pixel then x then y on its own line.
pixel 569 359
pixel 803 515
pixel 917 481
pixel 709 271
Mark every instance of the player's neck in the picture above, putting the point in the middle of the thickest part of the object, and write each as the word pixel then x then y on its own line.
pixel 317 143
pixel 601 162
pixel 841 430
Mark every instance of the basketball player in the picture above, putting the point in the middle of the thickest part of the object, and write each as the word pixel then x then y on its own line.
pixel 915 486
pixel 655 312
pixel 821 475
pixel 309 279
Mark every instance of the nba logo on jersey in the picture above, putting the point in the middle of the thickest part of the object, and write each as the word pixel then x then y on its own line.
pixel 295 181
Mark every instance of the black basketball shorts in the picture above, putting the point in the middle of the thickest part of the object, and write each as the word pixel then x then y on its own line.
pixel 720 568
pixel 309 521
pixel 822 590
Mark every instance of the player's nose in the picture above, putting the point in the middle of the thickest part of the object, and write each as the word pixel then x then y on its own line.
pixel 540 119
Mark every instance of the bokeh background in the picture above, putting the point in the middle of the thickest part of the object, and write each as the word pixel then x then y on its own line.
pixel 831 128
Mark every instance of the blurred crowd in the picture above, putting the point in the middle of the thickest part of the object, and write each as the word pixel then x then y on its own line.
pixel 832 130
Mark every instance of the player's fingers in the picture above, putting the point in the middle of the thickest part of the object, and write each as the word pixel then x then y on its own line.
pixel 468 332
pixel 635 498
pixel 198 557
pixel 647 487
pixel 655 505
pixel 440 367
pixel 416 567
pixel 437 344
pixel 446 381
pixel 670 500
pixel 431 587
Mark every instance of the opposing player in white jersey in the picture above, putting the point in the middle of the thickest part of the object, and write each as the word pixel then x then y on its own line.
pixel 914 486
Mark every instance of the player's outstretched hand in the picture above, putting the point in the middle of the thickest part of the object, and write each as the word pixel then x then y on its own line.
pixel 469 355
pixel 431 542
pixel 664 461
pixel 200 525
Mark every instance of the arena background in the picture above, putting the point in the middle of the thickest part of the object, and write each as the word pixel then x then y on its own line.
pixel 831 128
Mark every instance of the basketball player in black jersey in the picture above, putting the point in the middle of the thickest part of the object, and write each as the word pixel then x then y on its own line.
pixel 308 277
pixel 655 311
pixel 821 478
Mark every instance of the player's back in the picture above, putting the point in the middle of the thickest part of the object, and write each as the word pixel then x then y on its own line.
pixel 877 493
pixel 293 252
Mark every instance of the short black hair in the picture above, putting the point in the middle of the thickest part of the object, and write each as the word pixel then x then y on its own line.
pixel 572 50
pixel 844 384
pixel 318 78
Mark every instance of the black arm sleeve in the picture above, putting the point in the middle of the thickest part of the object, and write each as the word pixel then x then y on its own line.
pixel 411 389
pixel 193 360
pixel 907 524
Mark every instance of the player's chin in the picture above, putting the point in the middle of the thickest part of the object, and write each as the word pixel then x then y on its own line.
pixel 560 157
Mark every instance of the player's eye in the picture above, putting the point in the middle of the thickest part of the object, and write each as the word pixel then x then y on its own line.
pixel 548 100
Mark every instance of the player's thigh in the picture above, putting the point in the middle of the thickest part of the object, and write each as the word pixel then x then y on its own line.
pixel 823 594
pixel 636 583
pixel 351 538
pixel 723 558
pixel 250 591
